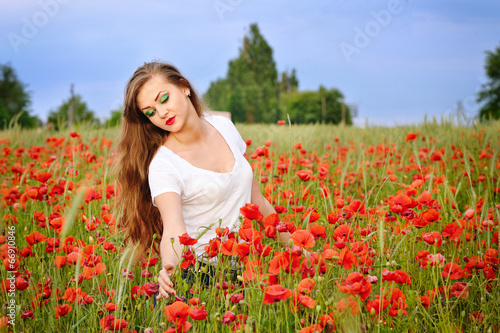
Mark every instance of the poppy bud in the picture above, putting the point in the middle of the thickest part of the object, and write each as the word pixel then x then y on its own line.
pixel 290 243
pixel 204 269
pixel 240 278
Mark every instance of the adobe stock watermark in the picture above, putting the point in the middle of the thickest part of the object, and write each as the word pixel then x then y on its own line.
pixel 31 25
pixel 363 37
pixel 223 6
pixel 11 275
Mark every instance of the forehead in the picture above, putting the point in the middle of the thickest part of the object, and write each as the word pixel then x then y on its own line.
pixel 150 90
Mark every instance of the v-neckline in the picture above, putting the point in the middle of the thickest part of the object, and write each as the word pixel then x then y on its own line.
pixel 211 171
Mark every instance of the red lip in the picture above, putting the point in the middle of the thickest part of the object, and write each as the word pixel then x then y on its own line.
pixel 170 120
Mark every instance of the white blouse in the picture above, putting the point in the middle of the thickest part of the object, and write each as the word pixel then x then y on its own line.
pixel 206 196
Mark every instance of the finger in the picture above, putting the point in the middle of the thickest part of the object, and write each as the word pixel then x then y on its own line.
pixel 165 278
pixel 169 267
pixel 166 285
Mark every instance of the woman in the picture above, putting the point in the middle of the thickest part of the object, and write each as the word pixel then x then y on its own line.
pixel 180 170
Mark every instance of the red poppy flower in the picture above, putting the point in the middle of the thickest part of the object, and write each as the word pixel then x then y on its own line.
pixel 89 272
pixel 198 313
pixel 425 301
pixel 398 303
pixel 453 271
pixel 303 239
pixel 63 310
pixel 398 276
pixel 306 286
pixel 276 293
pixel 279 262
pixel 433 237
pixel 305 175
pixel 213 248
pixel 452 230
pixel 35 237
pixel 177 312
pixel 356 284
pixel 377 305
pixel 184 239
pixel 318 231
pixel 347 259
pixel 299 299
pixel 410 137
pixel 252 212
pixel 431 215
pixel 42 177
pixel 343 233
pixel 110 307
pixel 356 206
pixel 60 261
pixel 271 220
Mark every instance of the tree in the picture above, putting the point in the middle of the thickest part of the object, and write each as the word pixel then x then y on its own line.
pixel 289 82
pixel 116 118
pixel 14 99
pixel 490 93
pixel 59 117
pixel 317 106
pixel 218 95
pixel 250 89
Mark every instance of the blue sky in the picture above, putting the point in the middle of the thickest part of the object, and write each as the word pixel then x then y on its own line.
pixel 398 60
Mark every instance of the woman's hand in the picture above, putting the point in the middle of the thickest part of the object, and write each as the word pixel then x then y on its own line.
pixel 166 285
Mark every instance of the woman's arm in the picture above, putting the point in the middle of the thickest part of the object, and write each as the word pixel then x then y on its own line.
pixel 170 208
pixel 266 209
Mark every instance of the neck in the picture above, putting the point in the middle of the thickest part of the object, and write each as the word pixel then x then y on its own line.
pixel 194 131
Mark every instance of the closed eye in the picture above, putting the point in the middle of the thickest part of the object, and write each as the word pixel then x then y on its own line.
pixel 150 112
pixel 164 98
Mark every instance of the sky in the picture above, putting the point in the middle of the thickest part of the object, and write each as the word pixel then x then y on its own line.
pixel 397 60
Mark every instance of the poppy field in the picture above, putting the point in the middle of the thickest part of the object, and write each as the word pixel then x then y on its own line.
pixel 392 230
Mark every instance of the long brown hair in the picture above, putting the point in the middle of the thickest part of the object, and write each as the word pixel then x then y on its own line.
pixel 138 143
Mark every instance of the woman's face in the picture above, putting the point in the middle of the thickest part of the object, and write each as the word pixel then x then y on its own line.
pixel 166 105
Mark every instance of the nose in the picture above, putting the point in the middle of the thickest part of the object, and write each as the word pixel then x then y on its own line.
pixel 162 111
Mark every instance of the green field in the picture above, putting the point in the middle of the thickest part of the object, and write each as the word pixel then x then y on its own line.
pixel 400 234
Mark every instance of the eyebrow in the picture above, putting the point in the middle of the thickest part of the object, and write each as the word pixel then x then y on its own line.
pixel 155 100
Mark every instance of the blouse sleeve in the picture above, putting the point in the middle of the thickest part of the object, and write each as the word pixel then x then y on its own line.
pixel 163 177
pixel 240 143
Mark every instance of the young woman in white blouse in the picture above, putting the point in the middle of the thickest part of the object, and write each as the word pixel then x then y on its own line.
pixel 180 170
